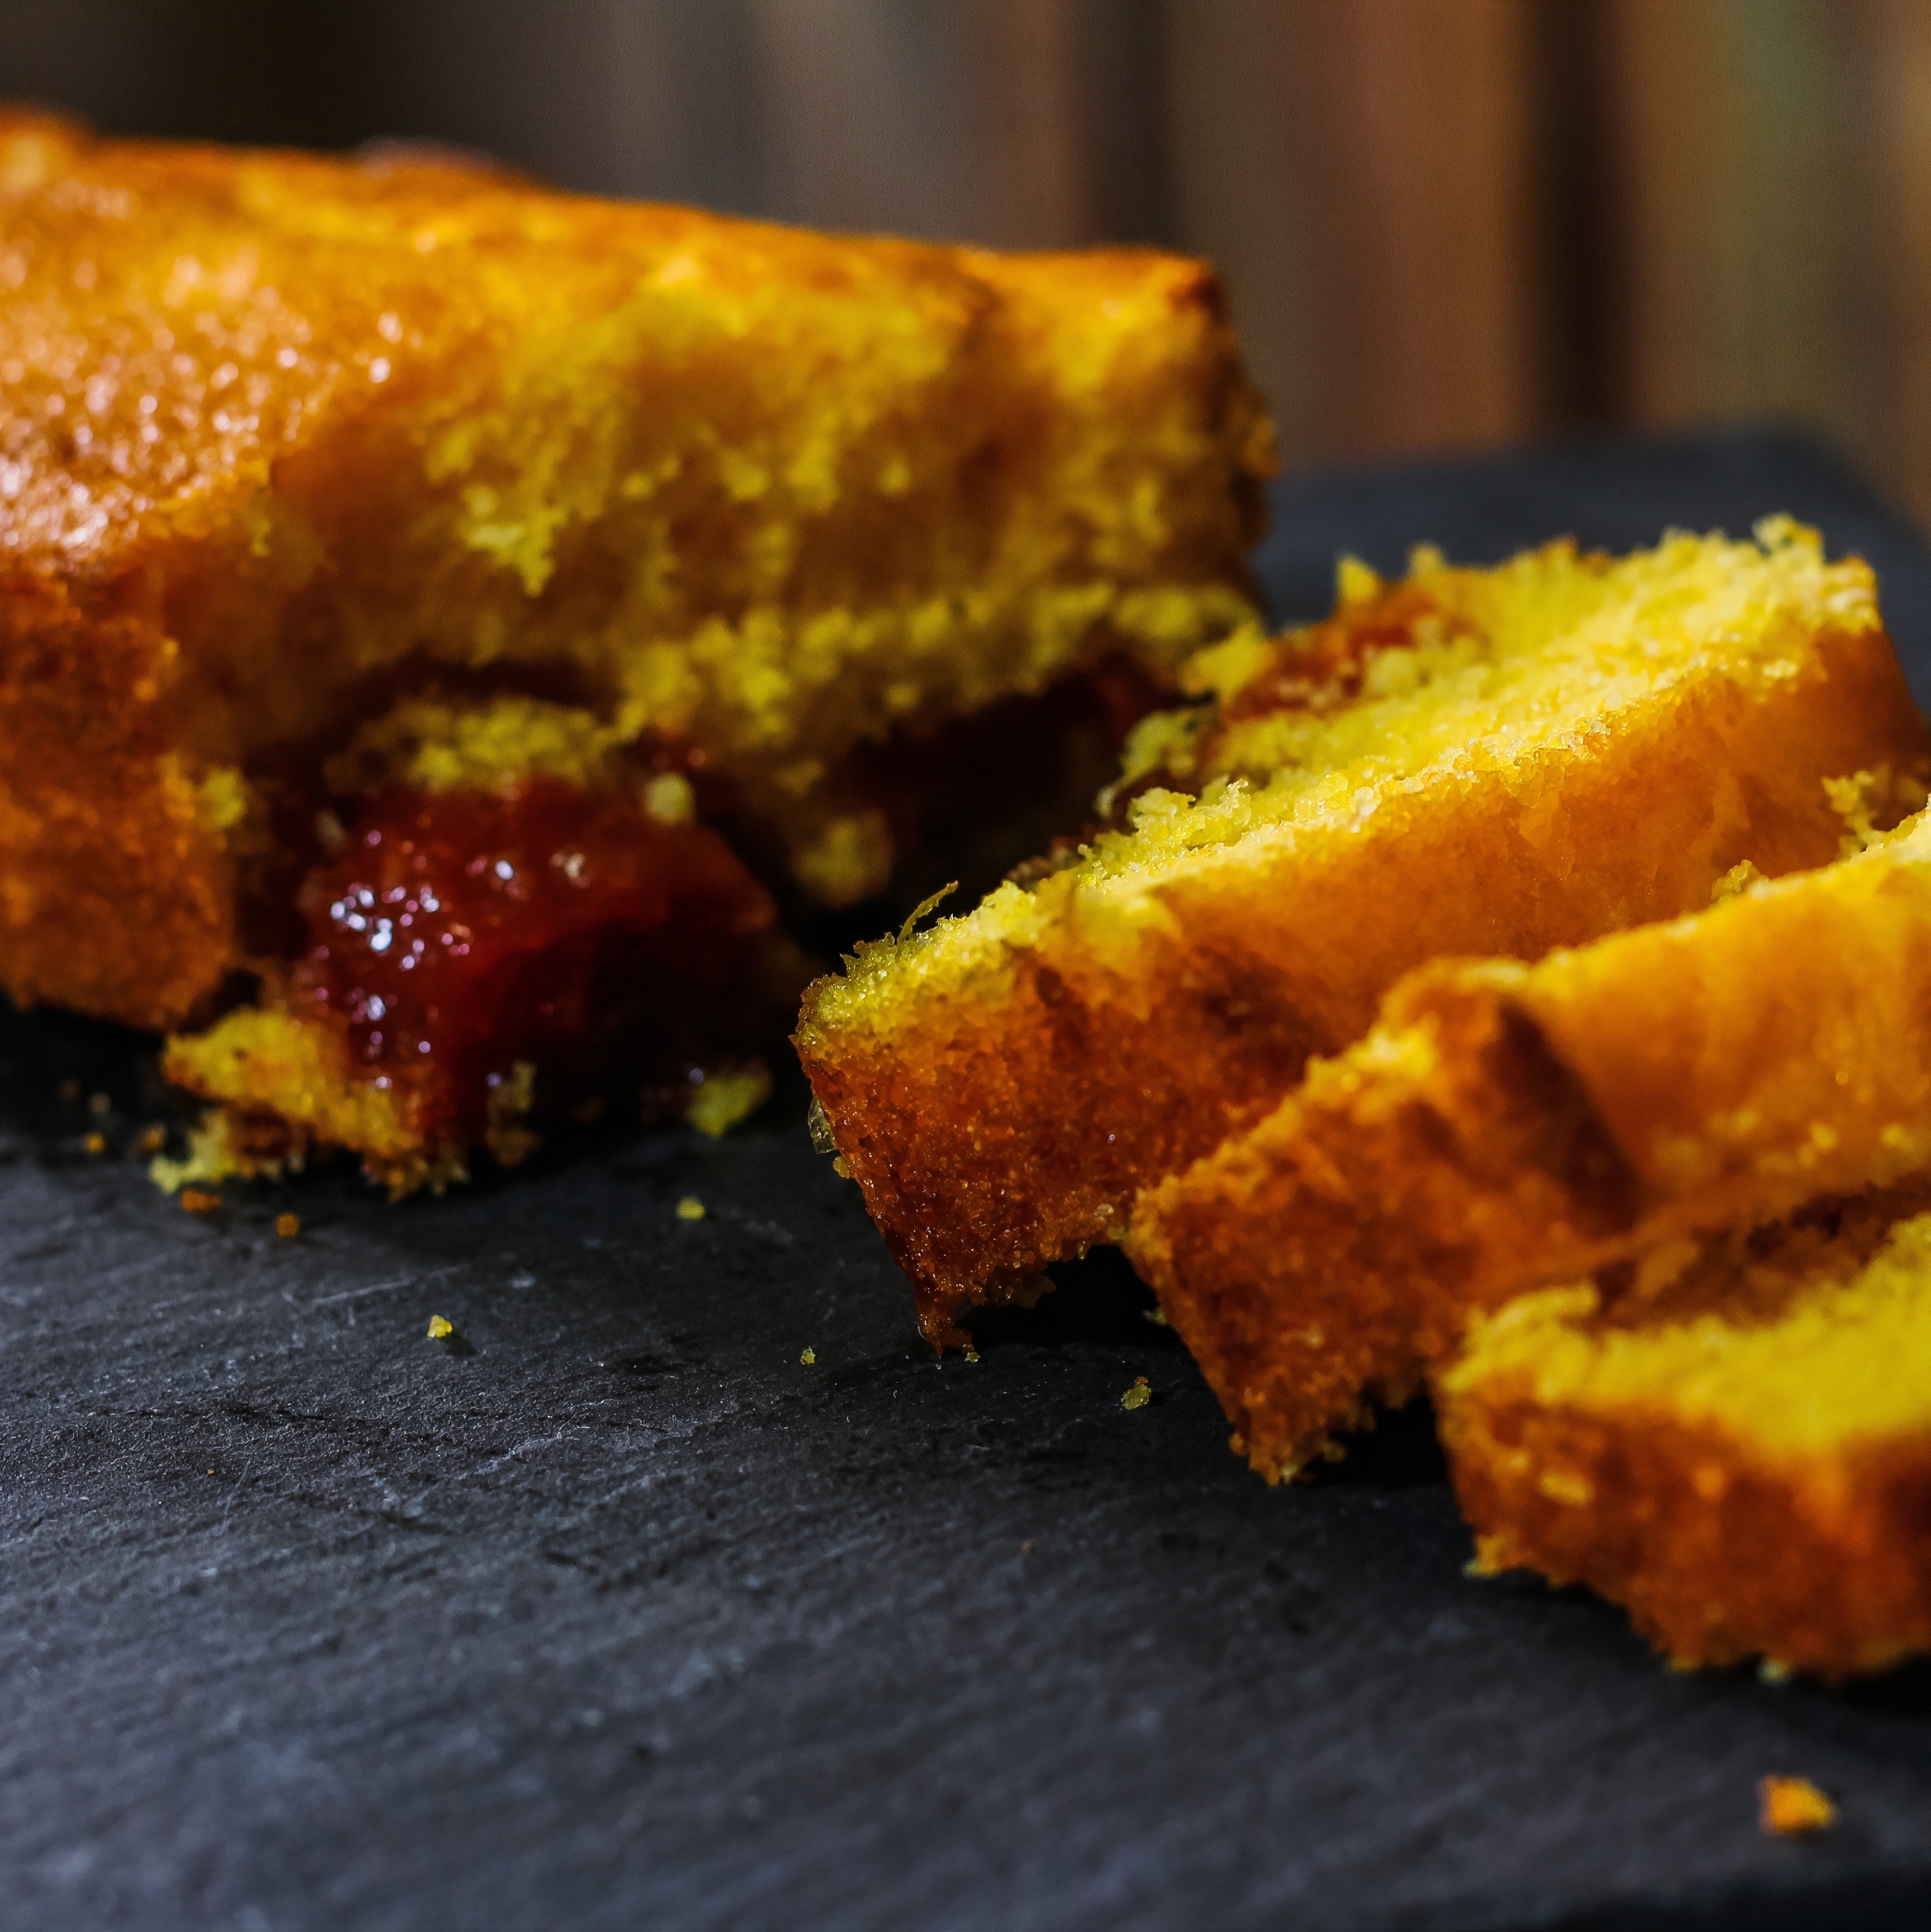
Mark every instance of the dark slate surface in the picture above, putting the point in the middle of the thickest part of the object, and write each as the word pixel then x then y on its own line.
pixel 612 1613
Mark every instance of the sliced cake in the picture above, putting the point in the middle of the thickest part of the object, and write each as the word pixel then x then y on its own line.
pixel 1732 1438
pixel 1499 761
pixel 1506 1125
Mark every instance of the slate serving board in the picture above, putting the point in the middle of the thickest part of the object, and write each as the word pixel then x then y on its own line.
pixel 610 1612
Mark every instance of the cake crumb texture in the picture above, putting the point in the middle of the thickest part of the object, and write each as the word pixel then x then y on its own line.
pixel 1504 1125
pixel 324 476
pixel 1741 1455
pixel 1494 761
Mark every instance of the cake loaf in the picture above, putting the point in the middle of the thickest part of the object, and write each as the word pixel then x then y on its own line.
pixel 376 529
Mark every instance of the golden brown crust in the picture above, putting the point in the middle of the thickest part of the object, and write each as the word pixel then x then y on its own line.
pixel 1319 1262
pixel 1718 1557
pixel 103 832
pixel 1505 1125
pixel 1001 1088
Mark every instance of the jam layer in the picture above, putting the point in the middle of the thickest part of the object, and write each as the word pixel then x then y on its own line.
pixel 464 934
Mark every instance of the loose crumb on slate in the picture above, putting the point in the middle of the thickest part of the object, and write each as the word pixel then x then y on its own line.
pixel 96 1143
pixel 151 1140
pixel 1139 1396
pixel 440 1328
pixel 1788 1805
pixel 288 1225
pixel 198 1201
pixel 690 1208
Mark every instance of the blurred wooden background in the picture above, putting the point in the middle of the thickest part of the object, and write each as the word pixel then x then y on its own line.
pixel 1445 222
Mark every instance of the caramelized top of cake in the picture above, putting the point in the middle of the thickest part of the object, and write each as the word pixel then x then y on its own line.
pixel 422 406
pixel 180 320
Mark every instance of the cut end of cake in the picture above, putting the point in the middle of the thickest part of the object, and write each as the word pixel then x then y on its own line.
pixel 347 491
pixel 1467 761
pixel 1737 1448
pixel 1504 1125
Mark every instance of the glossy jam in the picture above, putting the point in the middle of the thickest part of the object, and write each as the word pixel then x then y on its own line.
pixel 463 932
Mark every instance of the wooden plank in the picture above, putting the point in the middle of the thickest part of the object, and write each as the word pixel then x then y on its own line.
pixel 1359 167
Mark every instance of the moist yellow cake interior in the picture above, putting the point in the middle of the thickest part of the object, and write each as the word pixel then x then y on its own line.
pixel 1553 633
pixel 1800 1351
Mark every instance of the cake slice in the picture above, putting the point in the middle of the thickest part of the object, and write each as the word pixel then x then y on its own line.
pixel 1506 1125
pixel 1497 761
pixel 1732 1439
pixel 346 506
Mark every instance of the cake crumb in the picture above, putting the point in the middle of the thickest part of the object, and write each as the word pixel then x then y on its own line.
pixel 1139 1396
pixel 288 1225
pixel 690 1208
pixel 808 1357
pixel 96 1143
pixel 440 1328
pixel 98 1103
pixel 151 1141
pixel 1739 878
pixel 199 1201
pixel 1787 1805
pixel 719 1101
pixel 1158 1316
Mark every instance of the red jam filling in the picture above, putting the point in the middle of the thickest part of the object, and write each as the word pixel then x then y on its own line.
pixel 462 931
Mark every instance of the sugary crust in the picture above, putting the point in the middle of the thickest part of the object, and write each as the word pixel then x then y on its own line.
pixel 1002 1086
pixel 1506 1125
pixel 1718 1554
pixel 1720 1550
pixel 312 271
pixel 1317 1263
pixel 286 440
